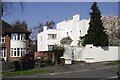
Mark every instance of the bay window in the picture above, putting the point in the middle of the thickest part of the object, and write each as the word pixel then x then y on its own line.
pixel 18 36
pixel 17 52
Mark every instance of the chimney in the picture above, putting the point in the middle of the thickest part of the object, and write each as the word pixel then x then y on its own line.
pixel 24 24
pixel 44 28
pixel 76 17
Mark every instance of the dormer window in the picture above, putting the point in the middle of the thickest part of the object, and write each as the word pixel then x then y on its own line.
pixel 18 36
pixel 2 39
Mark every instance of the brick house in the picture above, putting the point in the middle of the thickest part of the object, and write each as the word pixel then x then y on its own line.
pixel 14 41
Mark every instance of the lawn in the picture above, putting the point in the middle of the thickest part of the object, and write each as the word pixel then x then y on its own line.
pixel 113 63
pixel 25 72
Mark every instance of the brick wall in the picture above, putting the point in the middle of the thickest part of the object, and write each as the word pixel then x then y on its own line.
pixel 7 44
pixel 46 55
pixel 27 46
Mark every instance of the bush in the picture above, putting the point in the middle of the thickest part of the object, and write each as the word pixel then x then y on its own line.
pixel 47 62
pixel 58 52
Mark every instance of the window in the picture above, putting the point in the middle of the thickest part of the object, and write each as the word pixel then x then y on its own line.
pixel 67 34
pixel 18 36
pixel 50 47
pixel 17 52
pixel 3 52
pixel 11 52
pixel 2 39
pixel 41 38
pixel 52 36
pixel 80 32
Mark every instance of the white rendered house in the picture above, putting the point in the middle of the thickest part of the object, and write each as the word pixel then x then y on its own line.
pixel 72 27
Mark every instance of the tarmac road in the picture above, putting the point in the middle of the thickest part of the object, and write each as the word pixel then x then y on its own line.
pixel 106 73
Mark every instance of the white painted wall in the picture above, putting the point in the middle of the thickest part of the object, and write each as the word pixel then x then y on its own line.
pixel 43 44
pixel 96 54
pixel 72 26
pixel 17 44
pixel 68 52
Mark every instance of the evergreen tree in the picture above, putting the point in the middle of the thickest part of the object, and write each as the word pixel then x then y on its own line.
pixel 96 33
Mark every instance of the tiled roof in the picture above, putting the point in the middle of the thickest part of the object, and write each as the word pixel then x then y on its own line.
pixel 5 27
pixel 66 39
pixel 18 29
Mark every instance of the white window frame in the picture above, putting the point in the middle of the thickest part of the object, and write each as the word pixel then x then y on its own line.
pixel 20 50
pixel 52 36
pixel 3 52
pixel 2 39
pixel 16 35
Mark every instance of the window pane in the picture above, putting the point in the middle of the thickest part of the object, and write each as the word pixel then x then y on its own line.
pixel 21 37
pixel 2 40
pixel 15 52
pixel 21 51
pixel 18 52
pixel 4 53
pixel 12 36
pixel 18 37
pixel 11 51
pixel 15 36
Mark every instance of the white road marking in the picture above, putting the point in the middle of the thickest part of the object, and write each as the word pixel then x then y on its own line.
pixel 109 78
pixel 113 77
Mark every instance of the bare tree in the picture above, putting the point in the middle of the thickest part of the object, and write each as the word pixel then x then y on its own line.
pixel 37 29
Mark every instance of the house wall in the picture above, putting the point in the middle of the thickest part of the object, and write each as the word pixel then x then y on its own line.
pixel 44 42
pixel 83 27
pixel 96 54
pixel 7 44
pixel 43 55
pixel 27 46
pixel 17 44
pixel 73 26
pixel 70 27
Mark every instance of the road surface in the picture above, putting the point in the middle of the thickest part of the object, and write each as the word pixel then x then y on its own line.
pixel 106 73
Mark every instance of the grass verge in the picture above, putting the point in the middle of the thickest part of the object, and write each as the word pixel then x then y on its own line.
pixel 113 63
pixel 25 72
